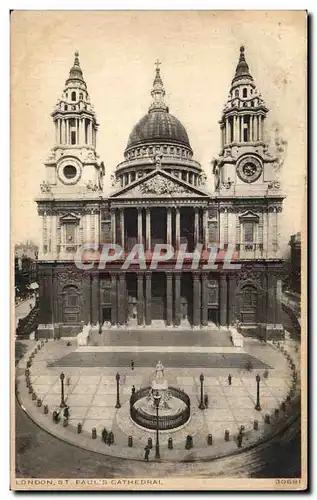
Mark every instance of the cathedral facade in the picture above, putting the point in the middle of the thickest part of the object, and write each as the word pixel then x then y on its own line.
pixel 159 200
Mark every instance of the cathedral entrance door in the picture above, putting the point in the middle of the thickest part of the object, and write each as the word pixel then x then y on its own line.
pixel 158 296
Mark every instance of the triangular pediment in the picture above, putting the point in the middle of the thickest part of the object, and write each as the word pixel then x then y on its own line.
pixel 159 184
pixel 249 215
pixel 69 217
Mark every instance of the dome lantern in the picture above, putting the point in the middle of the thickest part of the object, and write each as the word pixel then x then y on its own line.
pixel 158 92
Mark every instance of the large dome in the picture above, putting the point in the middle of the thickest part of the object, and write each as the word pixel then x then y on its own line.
pixel 158 125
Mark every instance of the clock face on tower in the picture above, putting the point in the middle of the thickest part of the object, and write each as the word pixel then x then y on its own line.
pixel 249 169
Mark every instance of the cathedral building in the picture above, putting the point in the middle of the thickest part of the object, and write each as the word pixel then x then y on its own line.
pixel 160 197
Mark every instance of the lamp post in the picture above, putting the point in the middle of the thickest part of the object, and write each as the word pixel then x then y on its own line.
pixel 201 404
pixel 157 399
pixel 118 405
pixel 258 406
pixel 63 404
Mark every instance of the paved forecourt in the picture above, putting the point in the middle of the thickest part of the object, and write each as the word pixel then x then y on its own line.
pixel 90 390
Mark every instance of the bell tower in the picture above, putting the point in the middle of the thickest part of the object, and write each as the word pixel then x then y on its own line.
pixel 244 166
pixel 73 162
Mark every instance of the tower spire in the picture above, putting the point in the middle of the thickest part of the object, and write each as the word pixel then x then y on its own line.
pixel 158 91
pixel 242 69
pixel 75 72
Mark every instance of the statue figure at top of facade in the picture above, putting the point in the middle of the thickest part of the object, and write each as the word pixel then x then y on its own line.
pixel 159 373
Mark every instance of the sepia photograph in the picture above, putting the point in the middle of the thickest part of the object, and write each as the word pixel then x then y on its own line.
pixel 159 244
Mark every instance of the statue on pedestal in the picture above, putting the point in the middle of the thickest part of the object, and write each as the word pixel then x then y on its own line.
pixel 159 373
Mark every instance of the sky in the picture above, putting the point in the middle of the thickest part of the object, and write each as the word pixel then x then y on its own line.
pixel 199 52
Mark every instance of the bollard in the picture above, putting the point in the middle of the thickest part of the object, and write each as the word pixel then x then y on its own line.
pixel 93 433
pixel 79 428
pixel 33 396
pixel 209 439
pixel 227 435
pixel 39 402
pixel 267 419
pixel 130 441
pixel 188 443
pixel 276 412
pixel 256 425
pixel 149 443
pixel 170 443
pixel 45 408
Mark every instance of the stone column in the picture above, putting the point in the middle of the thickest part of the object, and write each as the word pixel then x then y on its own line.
pixel 236 128
pixel 169 299
pixel 148 297
pixel 148 228
pixel 87 298
pixel 205 227
pixel 256 128
pixel 204 299
pixel 196 299
pixel 261 128
pixel 177 313
pixel 113 225
pixel 196 227
pixel 169 226
pixel 231 299
pixel 122 227
pixel 223 300
pixel 140 229
pixel 140 306
pixel 121 299
pixel 95 293
pixel 114 319
pixel 177 228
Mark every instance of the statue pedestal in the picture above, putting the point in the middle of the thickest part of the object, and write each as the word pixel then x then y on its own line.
pixel 162 389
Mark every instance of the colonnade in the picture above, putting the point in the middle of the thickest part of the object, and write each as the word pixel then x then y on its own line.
pixel 171 214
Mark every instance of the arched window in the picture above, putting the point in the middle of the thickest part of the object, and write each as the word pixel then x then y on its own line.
pixel 236 93
pixel 81 96
pixel 245 92
pixel 66 107
pixel 73 96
